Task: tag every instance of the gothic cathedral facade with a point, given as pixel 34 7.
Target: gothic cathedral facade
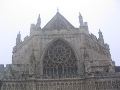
pixel 60 56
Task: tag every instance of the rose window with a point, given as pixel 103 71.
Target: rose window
pixel 59 53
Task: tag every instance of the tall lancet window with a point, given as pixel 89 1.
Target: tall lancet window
pixel 59 60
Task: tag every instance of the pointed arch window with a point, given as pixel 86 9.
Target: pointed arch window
pixel 59 60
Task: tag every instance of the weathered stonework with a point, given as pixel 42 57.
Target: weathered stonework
pixel 60 57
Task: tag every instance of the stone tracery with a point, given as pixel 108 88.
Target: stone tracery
pixel 59 60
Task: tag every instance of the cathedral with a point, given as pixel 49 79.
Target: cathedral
pixel 60 56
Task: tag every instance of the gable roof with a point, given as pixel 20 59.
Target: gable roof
pixel 58 22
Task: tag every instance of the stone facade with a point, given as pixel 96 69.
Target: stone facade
pixel 60 57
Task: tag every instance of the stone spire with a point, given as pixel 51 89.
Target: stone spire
pixel 80 19
pixel 100 39
pixel 38 24
pixel 18 39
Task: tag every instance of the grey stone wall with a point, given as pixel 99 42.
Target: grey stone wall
pixel 89 52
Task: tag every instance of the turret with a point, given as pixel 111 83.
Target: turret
pixel 83 25
pixel 18 39
pixel 35 27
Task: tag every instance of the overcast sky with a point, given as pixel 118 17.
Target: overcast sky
pixel 17 15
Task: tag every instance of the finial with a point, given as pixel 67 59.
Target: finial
pixel 39 19
pixel 57 9
pixel 38 22
pixel 99 30
pixel 39 16
pixel 100 33
pixel 80 19
pixel 79 14
pixel 101 39
pixel 18 39
pixel 19 33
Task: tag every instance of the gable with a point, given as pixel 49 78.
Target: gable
pixel 58 22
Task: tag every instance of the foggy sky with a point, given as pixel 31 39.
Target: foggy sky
pixel 17 15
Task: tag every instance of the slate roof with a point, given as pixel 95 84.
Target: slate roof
pixel 58 22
